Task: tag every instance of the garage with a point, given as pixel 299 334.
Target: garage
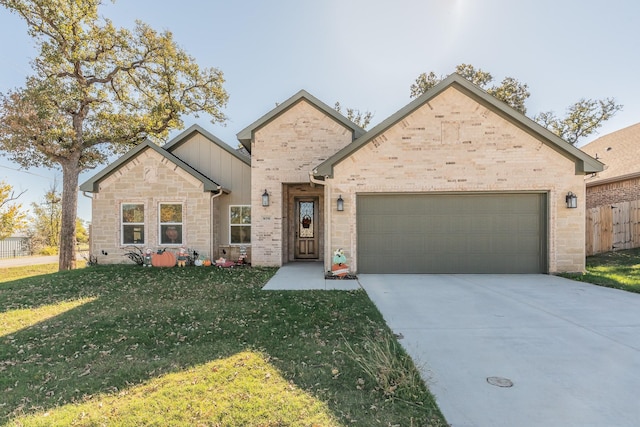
pixel 467 233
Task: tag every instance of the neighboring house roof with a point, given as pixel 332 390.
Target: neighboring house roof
pixel 184 136
pixel 246 135
pixel 17 236
pixel 619 151
pixel 584 163
pixel 91 185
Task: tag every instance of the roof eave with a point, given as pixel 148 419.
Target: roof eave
pixel 245 136
pixel 584 162
pixel 92 184
pixel 613 179
pixel 184 136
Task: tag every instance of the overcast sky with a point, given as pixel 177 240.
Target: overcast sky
pixel 367 53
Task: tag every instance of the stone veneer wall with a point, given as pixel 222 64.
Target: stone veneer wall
pixel 284 151
pixel 455 144
pixel 151 179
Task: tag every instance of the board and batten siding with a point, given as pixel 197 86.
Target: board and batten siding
pixel 224 168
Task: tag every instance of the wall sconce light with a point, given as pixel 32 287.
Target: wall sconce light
pixel 265 198
pixel 572 200
pixel 340 204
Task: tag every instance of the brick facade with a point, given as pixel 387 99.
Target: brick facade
pixel 625 190
pixel 149 179
pixel 454 144
pixel 284 152
pixel 196 170
pixel 451 144
pixel 454 141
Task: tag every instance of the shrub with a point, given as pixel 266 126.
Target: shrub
pixel 48 250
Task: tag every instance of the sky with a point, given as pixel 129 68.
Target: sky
pixel 367 53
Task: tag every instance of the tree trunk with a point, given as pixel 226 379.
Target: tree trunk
pixel 70 173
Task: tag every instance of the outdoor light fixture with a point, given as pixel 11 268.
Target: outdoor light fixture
pixel 572 200
pixel 265 198
pixel 340 204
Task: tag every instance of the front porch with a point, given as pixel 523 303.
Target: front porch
pixel 306 276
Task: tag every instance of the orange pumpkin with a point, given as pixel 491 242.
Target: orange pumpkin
pixel 340 270
pixel 206 262
pixel 163 259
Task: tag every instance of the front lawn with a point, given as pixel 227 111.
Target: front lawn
pixel 125 345
pixel 620 270
pixel 12 273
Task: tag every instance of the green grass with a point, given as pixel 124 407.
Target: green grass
pixel 12 273
pixel 620 270
pixel 124 345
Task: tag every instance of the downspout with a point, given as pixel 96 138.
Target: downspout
pixel 211 220
pixel 314 180
pixel 84 193
pixel 327 213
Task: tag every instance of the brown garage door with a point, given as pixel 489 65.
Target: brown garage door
pixel 445 233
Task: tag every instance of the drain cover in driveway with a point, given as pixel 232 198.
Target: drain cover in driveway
pixel 500 382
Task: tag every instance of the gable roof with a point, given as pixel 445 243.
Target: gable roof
pixel 619 151
pixel 584 163
pixel 91 185
pixel 246 135
pixel 184 136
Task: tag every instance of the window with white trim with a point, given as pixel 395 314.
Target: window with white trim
pixel 171 225
pixel 240 225
pixel 132 217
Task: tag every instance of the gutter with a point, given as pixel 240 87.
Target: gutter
pixel 613 179
pixel 315 180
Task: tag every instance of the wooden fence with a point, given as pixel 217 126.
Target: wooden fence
pixel 613 227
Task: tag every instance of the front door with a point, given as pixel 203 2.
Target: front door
pixel 306 228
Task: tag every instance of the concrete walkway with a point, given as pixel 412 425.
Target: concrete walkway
pixel 297 276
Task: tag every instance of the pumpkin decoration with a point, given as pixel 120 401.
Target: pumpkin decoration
pixel 206 262
pixel 163 259
pixel 340 270
pixel 339 267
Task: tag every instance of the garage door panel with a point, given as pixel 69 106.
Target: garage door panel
pixel 479 233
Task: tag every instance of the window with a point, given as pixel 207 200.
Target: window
pixel 132 224
pixel 171 232
pixel 240 225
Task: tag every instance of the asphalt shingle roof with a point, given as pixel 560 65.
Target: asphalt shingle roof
pixel 619 151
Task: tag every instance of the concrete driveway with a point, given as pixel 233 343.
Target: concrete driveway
pixel 571 350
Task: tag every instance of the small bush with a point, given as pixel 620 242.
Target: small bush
pixel 48 250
